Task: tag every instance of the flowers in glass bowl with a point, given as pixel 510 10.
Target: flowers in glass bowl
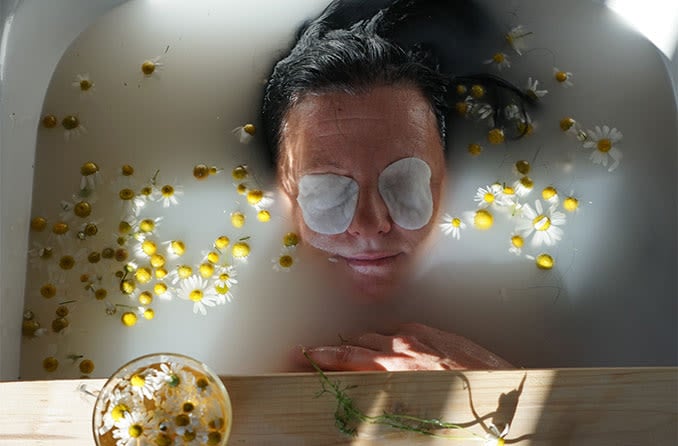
pixel 162 399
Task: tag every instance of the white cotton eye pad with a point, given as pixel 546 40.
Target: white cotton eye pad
pixel 405 186
pixel 327 202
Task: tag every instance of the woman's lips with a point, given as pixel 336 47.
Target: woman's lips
pixel 374 264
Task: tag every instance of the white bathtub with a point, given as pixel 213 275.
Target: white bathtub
pixel 636 315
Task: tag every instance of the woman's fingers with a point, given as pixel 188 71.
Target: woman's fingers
pixel 345 358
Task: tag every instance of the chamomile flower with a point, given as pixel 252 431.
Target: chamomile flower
pixel 564 78
pixel 542 224
pixel 603 141
pixel 121 403
pixel 142 384
pixel 452 225
pixel 148 226
pixel 171 378
pixel 180 274
pixel 72 127
pixel 90 175
pixel 533 91
pixel 489 196
pixel 169 194
pixel 163 291
pixel 499 60
pixel 135 428
pixel 517 38
pixel 543 261
pixel 482 219
pixel 550 195
pixel 572 127
pixel 516 243
pixel 259 199
pixel 83 83
pixel 285 261
pixel 128 206
pixel 571 203
pixel 175 248
pixel 525 125
pixel 523 186
pixel 151 67
pixel 245 133
pixel 226 277
pixel 146 248
pixel 196 290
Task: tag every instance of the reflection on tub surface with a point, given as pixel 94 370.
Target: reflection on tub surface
pixel 149 210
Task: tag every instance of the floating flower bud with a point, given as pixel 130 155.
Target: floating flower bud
pixel 50 364
pixel 523 167
pixel 48 291
pixel 477 91
pixel 290 239
pixel 82 209
pixel 38 224
pixel 201 171
pixel 240 172
pixel 128 319
pixel 483 220
pixel 145 298
pixel 474 149
pixel 222 242
pixel 495 136
pixel 240 250
pixel 571 204
pixel 245 133
pixel 238 219
pixel 86 366
pixel 49 121
pixel 264 216
pixel 544 261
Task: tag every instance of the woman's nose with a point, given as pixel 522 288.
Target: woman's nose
pixel 371 215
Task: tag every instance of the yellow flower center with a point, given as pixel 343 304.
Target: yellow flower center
pixel 527 182
pixel 91 229
pixel 49 121
pixel 124 227
pixel 149 314
pixel 143 275
pixel 149 247
pixel 213 257
pixel 50 364
pixel 145 298
pixel 127 287
pixel 147 225
pixel 70 122
pixel 488 197
pixel 135 431
pixel 477 91
pixel 157 260
pixel 462 108
pixel 222 242
pixel 46 253
pixel 85 85
pixel 549 192
pixel 213 438
pixel 237 219
pixel 508 190
pixel 182 420
pixel 121 254
pixel 290 239
pixel 39 224
pixel 264 216
pixel 206 270
pixel 89 168
pixel 461 89
pixel 137 380
pixel 60 228
pixel 100 294
pixel 159 289
pixel 126 194
pixel 571 204
pixel 201 171
pixel 286 261
pixel 66 262
pixel 254 196
pixel 240 250
pixel 146 191
pixel 160 273
pixel 517 241
pixel 541 223
pixel 48 291
pixel 127 170
pixel 474 149
pixel 523 167
pixel 148 67
pixel 495 136
pixel 239 173
pixel 178 247
pixel 129 319
pixel 566 124
pixel 195 295
pixel 561 76
pixel 167 191
pixel 249 129
pixel 119 411
pixel 184 271
pixel 483 220
pixel 241 188
pixel 86 366
pixel 221 289
pixel 544 261
pixel 456 222
pixel 604 145
pixel 498 58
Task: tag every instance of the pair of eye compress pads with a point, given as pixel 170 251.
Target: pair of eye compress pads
pixel 328 201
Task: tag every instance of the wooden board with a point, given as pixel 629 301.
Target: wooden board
pixel 625 406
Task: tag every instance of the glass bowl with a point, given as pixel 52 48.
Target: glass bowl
pixel 162 399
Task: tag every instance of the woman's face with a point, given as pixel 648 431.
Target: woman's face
pixel 356 137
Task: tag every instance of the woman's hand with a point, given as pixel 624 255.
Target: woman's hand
pixel 413 347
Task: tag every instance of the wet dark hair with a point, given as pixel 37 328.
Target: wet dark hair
pixel 331 56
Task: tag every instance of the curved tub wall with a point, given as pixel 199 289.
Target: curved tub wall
pixel 25 79
pixel 47 29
